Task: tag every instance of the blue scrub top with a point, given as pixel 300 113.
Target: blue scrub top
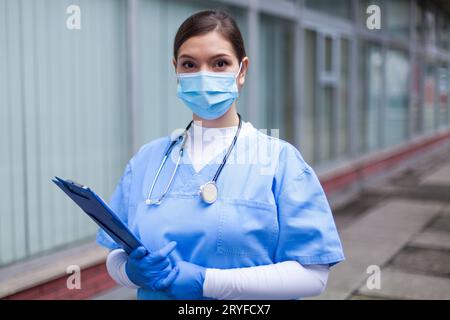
pixel 270 207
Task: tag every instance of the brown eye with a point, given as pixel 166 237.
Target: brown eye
pixel 221 64
pixel 188 65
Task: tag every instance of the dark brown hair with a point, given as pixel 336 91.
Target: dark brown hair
pixel 206 21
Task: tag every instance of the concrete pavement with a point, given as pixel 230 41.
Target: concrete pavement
pixel 402 227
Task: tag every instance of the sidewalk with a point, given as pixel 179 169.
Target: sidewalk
pixel 402 226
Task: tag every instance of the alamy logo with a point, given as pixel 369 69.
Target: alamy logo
pixel 374 280
pixel 73 22
pixel 74 280
pixel 373 21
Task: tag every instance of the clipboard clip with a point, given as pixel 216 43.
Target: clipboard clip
pixel 67 183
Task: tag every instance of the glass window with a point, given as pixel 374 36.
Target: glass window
pixel 398 17
pixel 328 54
pixel 430 87
pixel 426 24
pixel 442 30
pixel 370 97
pixel 433 25
pixel 420 21
pixel 343 114
pixel 325 116
pixel 397 89
pixel 337 8
pixel 417 95
pixel 326 125
pixel 276 77
pixel 443 95
pixel 309 97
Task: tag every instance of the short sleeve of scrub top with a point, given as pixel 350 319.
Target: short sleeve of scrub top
pixel 119 204
pixel 307 232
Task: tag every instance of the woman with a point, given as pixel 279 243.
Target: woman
pixel 233 213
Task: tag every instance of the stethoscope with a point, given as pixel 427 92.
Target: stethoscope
pixel 208 192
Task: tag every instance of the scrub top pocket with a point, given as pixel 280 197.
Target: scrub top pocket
pixel 246 228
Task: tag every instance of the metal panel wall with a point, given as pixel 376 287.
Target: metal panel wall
pixel 63 110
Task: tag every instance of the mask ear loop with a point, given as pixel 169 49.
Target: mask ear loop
pixel 239 71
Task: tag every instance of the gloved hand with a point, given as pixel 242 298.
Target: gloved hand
pixel 151 271
pixel 188 284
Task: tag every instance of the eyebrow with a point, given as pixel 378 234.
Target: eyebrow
pixel 220 55
pixel 186 56
pixel 213 57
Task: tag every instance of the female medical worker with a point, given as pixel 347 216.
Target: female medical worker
pixel 233 213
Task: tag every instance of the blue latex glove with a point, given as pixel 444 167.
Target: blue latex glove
pixel 188 284
pixel 151 271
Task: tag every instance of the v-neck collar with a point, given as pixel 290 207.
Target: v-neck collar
pixel 206 173
pixel 193 180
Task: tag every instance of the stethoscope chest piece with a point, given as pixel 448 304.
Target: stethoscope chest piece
pixel 208 192
pixel 150 202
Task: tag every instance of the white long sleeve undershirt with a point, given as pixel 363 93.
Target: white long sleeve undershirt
pixel 280 281
pixel 115 264
pixel 284 280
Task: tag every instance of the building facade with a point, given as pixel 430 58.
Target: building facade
pixel 77 103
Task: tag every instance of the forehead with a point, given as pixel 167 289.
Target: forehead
pixel 206 45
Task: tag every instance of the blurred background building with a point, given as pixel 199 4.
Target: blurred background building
pixel 358 103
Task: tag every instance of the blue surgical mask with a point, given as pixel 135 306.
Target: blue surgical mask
pixel 208 94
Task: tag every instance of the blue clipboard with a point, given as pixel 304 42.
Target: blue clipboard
pixel 100 212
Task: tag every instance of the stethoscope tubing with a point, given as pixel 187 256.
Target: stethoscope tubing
pixel 183 136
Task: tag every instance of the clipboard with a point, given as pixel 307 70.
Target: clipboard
pixel 94 206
